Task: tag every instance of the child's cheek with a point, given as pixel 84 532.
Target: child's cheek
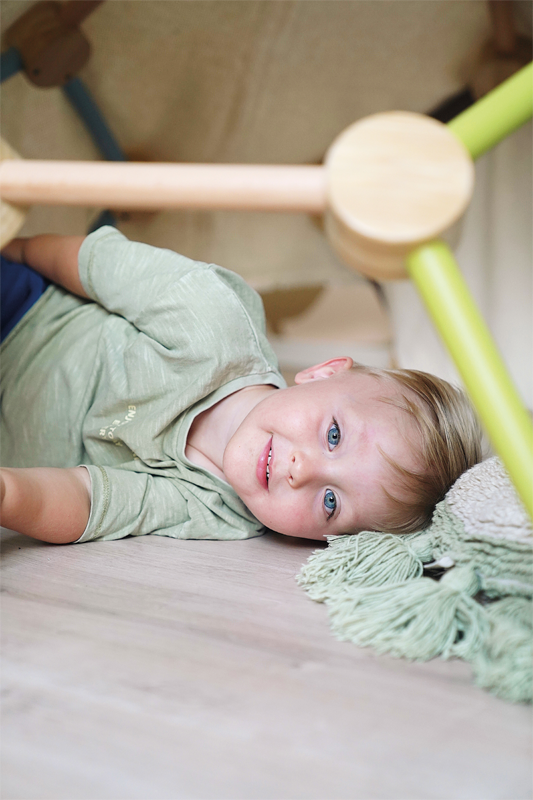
pixel 298 521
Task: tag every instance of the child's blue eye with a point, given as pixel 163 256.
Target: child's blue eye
pixel 330 502
pixel 334 435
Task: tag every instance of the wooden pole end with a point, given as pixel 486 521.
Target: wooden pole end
pixel 395 180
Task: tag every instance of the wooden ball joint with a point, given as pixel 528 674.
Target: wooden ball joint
pixel 394 181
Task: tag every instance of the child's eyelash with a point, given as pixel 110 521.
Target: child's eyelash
pixel 333 438
pixel 335 432
pixel 329 498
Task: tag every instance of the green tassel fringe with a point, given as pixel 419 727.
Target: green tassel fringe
pixel 505 664
pixel 480 610
pixel 370 559
pixel 417 620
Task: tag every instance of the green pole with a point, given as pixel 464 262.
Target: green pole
pixel 496 115
pixel 434 270
pixel 442 287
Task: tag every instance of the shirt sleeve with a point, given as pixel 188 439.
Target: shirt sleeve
pixel 185 306
pixel 127 503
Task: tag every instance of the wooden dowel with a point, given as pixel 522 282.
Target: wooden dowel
pixel 73 12
pixel 157 186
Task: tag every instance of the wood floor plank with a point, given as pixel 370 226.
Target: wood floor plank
pixel 165 670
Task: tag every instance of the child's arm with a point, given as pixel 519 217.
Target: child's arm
pixel 46 503
pixel 55 257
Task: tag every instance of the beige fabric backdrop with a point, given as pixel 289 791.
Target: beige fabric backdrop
pixel 255 81
pixel 267 81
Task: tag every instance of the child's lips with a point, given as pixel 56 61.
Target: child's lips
pixel 262 463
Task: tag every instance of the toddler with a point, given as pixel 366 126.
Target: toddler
pixel 140 395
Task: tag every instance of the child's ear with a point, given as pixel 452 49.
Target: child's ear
pixel 324 370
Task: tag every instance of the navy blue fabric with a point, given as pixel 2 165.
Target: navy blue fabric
pixel 10 63
pixel 20 288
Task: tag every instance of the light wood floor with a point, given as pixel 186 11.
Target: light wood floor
pixel 158 669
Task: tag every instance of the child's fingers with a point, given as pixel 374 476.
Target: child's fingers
pixel 14 251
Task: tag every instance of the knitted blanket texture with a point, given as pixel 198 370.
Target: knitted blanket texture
pixel 461 588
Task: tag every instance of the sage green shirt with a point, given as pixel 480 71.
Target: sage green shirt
pixel 115 385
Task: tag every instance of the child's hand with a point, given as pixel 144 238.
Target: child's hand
pixel 54 257
pixel 14 251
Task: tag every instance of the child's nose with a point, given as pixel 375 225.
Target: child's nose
pixel 301 469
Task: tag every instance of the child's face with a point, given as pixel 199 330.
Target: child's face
pixel 326 471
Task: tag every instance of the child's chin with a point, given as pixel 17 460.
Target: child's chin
pixel 315 537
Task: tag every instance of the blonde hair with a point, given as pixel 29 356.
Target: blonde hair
pixel 450 437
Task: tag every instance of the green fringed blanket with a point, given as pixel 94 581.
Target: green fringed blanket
pixel 461 588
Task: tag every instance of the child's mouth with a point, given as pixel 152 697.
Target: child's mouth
pixel 263 465
pixel 268 464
